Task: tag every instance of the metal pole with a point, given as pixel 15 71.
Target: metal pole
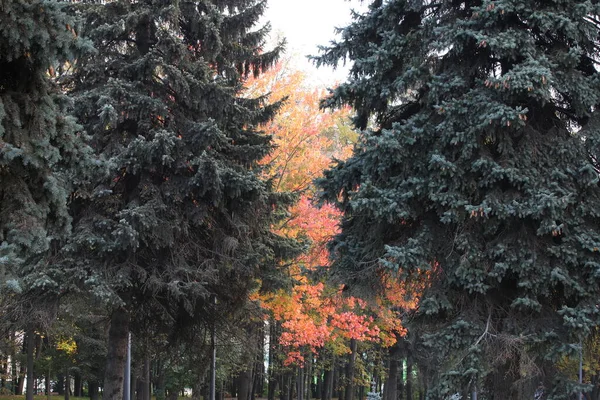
pixel 127 385
pixel 580 367
pixel 213 361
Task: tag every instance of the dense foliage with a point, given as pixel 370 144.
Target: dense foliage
pixel 40 147
pixel 476 175
pixel 156 183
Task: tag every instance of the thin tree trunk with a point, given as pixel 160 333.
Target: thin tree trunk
pixel 244 384
pixel 48 389
pixel 138 384
pixel 300 383
pixel 327 384
pixel 400 391
pixel 78 383
pixel 67 384
pixel 391 384
pixel 22 369
pixel 148 383
pixel 3 373
pixel 30 352
pixel 285 387
pixel 60 384
pixel 336 387
pixel 117 354
pixel 13 359
pixel 273 381
pixel 409 386
pixel 308 377
pixel 160 381
pixel 93 390
pixel 349 393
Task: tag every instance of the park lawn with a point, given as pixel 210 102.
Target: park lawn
pixel 41 397
pixel 56 397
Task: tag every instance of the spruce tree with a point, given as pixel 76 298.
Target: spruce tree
pixel 40 145
pixel 183 213
pixel 476 181
pixel 41 152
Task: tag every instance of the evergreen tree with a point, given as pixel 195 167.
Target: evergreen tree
pixel 476 181
pixel 40 153
pixel 182 214
pixel 40 146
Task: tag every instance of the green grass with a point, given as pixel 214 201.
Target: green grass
pixel 55 397
pixel 41 397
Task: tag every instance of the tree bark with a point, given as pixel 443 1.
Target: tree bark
pixel 30 351
pixel 391 384
pixel 285 387
pixel 300 383
pixel 245 384
pixel 117 354
pixel 78 383
pixel 67 384
pixel 173 394
pixel 60 384
pixel 400 387
pixel 93 390
pixel 143 381
pixel 273 381
pixel 48 388
pixel 4 373
pixel 409 385
pixel 160 381
pixel 327 385
pixel 349 392
pixel 22 370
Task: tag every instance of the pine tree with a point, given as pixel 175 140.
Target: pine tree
pixel 183 213
pixel 476 181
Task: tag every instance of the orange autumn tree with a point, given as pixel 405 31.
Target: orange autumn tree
pixel 312 314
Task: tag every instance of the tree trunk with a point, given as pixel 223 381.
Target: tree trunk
pixel 308 377
pixel 22 370
pixel 47 383
pixel 285 389
pixel 336 388
pixel 3 373
pixel 138 384
pixel 67 384
pixel 244 384
pixel 93 390
pixel 30 351
pixel 273 381
pixel 21 381
pixel 391 383
pixel 78 383
pixel 400 390
pixel 300 383
pixel 146 388
pixel 349 393
pixel 160 381
pixel 117 354
pixel 60 384
pixel 409 386
pixel 143 381
pixel 327 384
pixel 13 359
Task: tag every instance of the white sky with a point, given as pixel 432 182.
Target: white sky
pixel 307 24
